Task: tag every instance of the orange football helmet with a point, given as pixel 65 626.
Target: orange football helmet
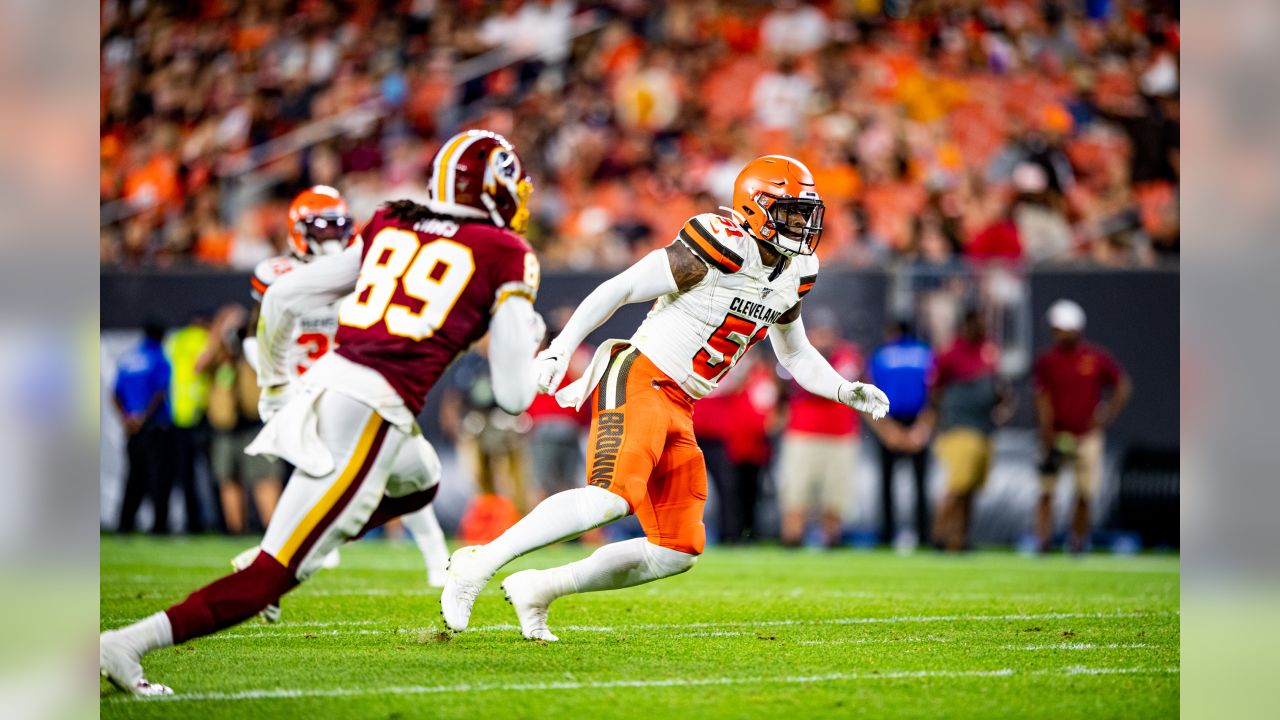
pixel 775 199
pixel 319 223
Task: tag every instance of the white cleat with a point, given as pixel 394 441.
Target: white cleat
pixel 332 560
pixel 436 577
pixel 463 583
pixel 524 594
pixel 270 613
pixel 121 666
pixel 437 567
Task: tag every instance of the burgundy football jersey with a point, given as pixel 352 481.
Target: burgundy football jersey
pixel 426 292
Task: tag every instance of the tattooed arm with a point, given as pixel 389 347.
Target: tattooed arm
pixel 686 269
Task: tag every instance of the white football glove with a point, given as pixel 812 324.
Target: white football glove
pixel 272 398
pixel 865 398
pixel 549 367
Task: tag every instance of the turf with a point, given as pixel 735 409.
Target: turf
pixel 748 633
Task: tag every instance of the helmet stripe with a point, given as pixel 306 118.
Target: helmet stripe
pixel 447 164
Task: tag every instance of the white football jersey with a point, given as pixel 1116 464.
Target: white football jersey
pixel 313 335
pixel 697 335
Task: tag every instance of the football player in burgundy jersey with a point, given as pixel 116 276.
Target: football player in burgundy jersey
pixel 422 283
pixel 320 224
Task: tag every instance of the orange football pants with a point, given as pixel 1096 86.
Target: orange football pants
pixel 643 449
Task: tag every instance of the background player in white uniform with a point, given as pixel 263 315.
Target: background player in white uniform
pixel 320 225
pixel 721 286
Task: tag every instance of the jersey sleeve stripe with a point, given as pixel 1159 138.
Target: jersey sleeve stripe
pixel 259 287
pixel 708 254
pixel 806 284
pixel 726 257
pixel 513 289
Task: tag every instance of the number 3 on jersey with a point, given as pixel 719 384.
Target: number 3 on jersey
pixel 434 272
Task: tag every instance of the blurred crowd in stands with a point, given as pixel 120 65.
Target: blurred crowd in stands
pixel 941 132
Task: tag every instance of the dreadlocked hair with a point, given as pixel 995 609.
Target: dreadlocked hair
pixel 410 212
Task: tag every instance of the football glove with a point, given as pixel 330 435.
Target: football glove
pixel 272 398
pixel 549 367
pixel 865 398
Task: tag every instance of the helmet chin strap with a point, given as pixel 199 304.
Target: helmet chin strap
pixel 493 210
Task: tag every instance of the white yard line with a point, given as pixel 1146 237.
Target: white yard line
pixel 839 621
pixel 703 629
pixel 1079 646
pixel 292 693
pixel 873 641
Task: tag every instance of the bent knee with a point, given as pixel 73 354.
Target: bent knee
pixel 669 561
pixel 598 505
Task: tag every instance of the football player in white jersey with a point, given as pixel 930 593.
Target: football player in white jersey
pixel 720 287
pixel 319 225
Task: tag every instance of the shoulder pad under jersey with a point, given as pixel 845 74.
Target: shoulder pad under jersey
pixel 807 268
pixel 716 240
pixel 267 272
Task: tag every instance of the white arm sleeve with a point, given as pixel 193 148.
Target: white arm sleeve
pixel 250 350
pixel 513 339
pixel 318 283
pixel 804 362
pixel 647 279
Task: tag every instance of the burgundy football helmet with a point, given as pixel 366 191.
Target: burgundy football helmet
pixel 479 169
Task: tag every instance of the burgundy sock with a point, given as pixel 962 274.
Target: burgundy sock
pixel 230 600
pixel 390 508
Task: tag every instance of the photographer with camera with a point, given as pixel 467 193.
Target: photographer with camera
pixel 1071 378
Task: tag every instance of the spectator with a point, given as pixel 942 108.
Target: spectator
pixel 752 405
pixel 901 368
pixel 781 98
pixel 189 399
pixel 794 29
pixel 819 452
pixel 1043 231
pixel 969 400
pixel 713 425
pixel 1071 378
pixel 142 398
pixel 233 417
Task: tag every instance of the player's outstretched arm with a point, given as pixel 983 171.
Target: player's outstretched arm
pixel 318 283
pixel 815 374
pixel 514 336
pixel 658 273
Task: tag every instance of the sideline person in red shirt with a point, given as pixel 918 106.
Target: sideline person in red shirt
pixel 970 400
pixel 1071 378
pixel 819 445
pixel 753 407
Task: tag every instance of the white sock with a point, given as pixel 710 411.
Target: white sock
pixel 562 516
pixel 616 565
pixel 427 534
pixel 150 633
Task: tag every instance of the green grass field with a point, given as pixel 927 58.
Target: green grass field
pixel 748 633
